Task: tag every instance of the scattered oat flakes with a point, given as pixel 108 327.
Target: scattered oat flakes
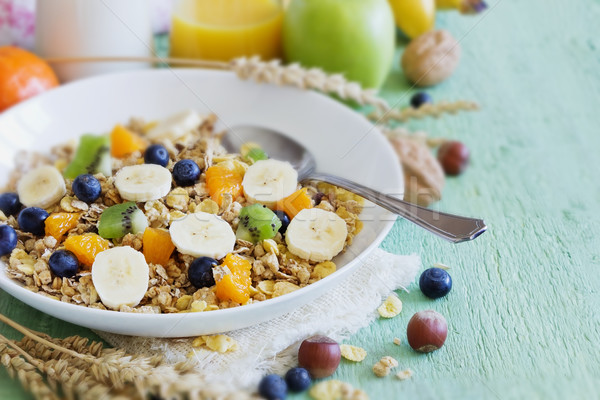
pixel 442 266
pixel 178 198
pixel 270 246
pixel 390 307
pixel 336 390
pixel 323 269
pixel 404 374
pixel 198 305
pixel 384 366
pixel 282 287
pixel 183 303
pixel 218 343
pixel 266 287
pixel 353 353
pixel 397 341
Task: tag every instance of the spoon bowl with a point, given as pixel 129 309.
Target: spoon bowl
pixel 453 228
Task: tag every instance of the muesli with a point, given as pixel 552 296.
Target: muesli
pixel 157 217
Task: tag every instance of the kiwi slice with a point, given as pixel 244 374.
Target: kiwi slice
pixel 256 154
pixel 92 156
pixel 257 223
pixel 118 220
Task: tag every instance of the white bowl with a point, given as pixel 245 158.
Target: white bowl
pixel 343 142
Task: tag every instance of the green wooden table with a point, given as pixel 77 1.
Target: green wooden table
pixel 523 315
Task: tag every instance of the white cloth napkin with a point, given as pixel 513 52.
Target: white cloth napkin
pixel 272 346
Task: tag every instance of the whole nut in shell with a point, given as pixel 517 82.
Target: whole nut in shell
pixel 431 58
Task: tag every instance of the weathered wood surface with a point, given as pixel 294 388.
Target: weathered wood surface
pixel 524 311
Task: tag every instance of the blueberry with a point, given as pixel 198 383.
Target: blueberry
pixel 435 283
pixel 156 154
pixel 419 99
pixel 186 172
pixel 63 263
pixel 272 387
pixel 200 272
pixel 32 220
pixel 285 220
pixel 8 239
pixel 86 188
pixel 298 379
pixel 9 203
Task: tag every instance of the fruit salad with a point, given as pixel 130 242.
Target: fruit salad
pixel 157 217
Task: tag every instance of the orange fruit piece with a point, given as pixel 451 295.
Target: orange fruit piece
pixel 157 246
pixel 22 75
pixel 86 247
pixel 57 224
pixel 294 203
pixel 221 180
pixel 235 286
pixel 124 142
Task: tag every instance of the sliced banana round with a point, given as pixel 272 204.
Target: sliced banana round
pixel 202 234
pixel 267 181
pixel 175 126
pixel 143 182
pixel 316 235
pixel 120 276
pixel 41 187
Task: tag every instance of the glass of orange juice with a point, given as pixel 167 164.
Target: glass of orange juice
pixel 226 29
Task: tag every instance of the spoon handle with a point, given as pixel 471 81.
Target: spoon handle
pixel 447 226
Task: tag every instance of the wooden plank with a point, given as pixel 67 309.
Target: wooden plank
pixel 523 313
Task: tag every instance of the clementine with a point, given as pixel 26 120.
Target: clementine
pixel 22 75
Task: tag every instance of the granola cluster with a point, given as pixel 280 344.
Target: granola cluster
pixel 275 270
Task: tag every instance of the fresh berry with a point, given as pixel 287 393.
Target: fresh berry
pixel 298 379
pixel 86 188
pixel 419 99
pixel 435 283
pixel 8 239
pixel 200 272
pixel 9 203
pixel 272 387
pixel 32 220
pixel 186 172
pixel 454 157
pixel 156 154
pixel 63 263
pixel 285 220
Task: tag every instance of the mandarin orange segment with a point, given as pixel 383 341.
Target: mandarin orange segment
pixel 295 202
pixel 57 224
pixel 22 75
pixel 124 142
pixel 86 247
pixel 157 246
pixel 236 285
pixel 221 180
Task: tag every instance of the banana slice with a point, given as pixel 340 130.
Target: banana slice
pixel 120 276
pixel 143 182
pixel 202 235
pixel 267 181
pixel 41 187
pixel 175 126
pixel 316 235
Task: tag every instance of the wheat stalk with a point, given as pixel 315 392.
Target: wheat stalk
pixel 273 72
pixel 78 369
pixel 426 110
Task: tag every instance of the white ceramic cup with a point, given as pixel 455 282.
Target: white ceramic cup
pixel 93 28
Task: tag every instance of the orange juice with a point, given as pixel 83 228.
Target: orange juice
pixel 225 29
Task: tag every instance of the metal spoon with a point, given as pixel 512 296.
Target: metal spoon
pixel 278 146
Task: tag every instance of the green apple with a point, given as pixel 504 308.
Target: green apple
pixel 353 37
